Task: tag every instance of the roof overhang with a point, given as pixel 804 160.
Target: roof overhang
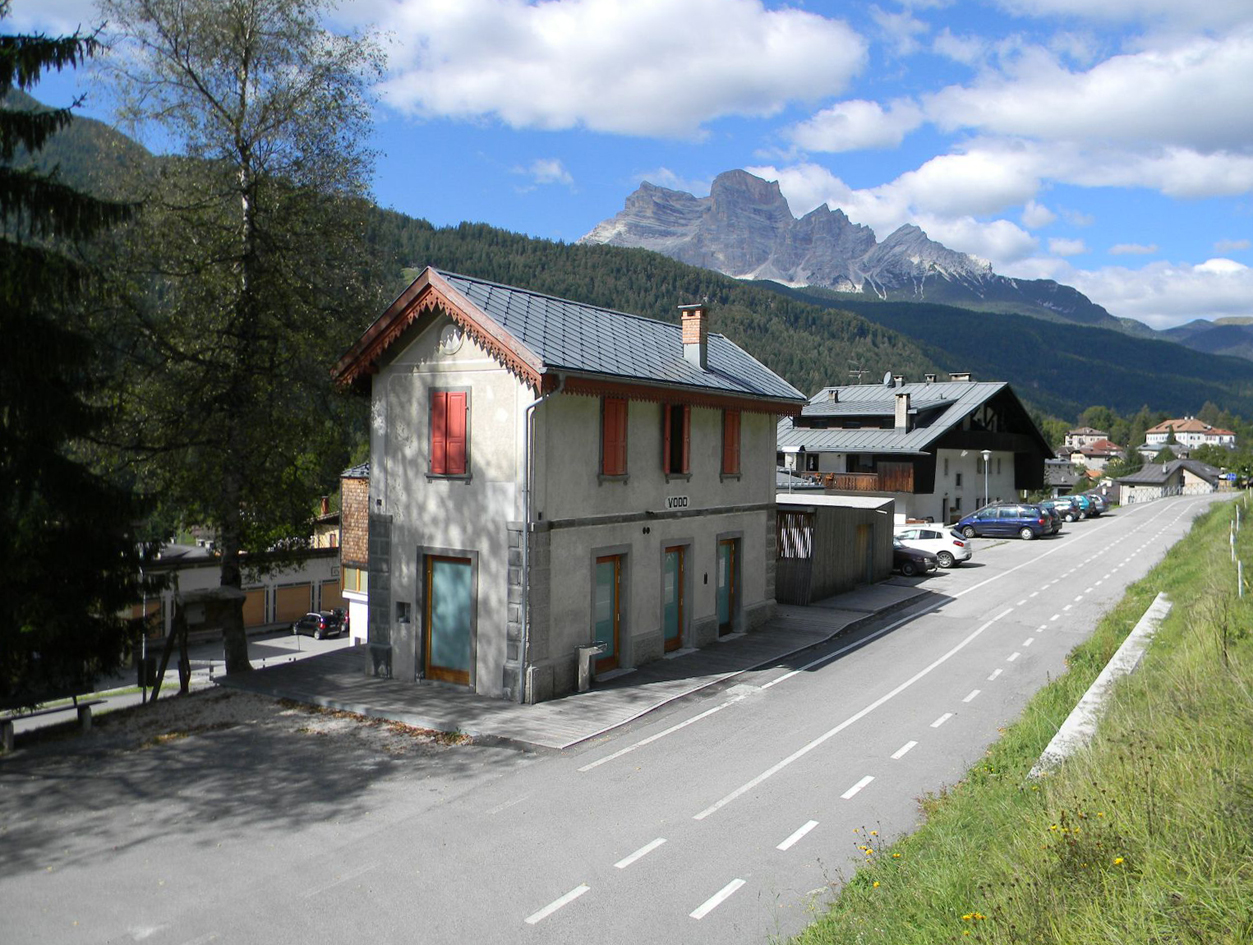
pixel 430 291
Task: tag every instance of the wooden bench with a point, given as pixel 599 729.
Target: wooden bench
pixel 84 718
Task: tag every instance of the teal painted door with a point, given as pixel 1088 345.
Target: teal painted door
pixel 449 608
pixel 672 598
pixel 726 585
pixel 607 610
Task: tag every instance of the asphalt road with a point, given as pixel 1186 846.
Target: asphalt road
pixel 726 818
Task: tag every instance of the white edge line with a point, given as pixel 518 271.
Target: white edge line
pixel 640 853
pixel 717 899
pixel 797 834
pixel 855 717
pixel 556 904
pixel 901 752
pixel 652 738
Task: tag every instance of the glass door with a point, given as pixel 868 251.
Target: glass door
pixel 726 585
pixel 607 610
pixel 449 604
pixel 672 598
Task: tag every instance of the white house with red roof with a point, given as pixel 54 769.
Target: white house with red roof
pixel 1190 432
pixel 548 476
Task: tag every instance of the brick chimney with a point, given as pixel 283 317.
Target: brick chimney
pixel 696 333
pixel 902 412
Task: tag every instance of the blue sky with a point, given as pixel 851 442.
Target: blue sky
pixel 1107 144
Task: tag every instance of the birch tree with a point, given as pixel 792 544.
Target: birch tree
pixel 246 268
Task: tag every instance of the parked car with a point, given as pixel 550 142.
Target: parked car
pixel 324 623
pixel 1007 519
pixel 948 546
pixel 911 561
pixel 1066 507
pixel 1102 503
pixel 1087 503
pixel 1055 519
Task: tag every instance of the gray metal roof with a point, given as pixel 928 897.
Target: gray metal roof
pixel 1154 474
pixel 356 472
pixel 573 336
pixel 954 399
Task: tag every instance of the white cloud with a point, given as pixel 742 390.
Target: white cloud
pixel 1212 13
pixel 1060 246
pixel 649 67
pixel 543 171
pixel 1230 246
pixel 1036 215
pixel 905 200
pixel 857 124
pixel 900 29
pixel 1132 249
pixel 60 17
pixel 1165 294
pixel 968 50
pixel 1077 217
pixel 1178 97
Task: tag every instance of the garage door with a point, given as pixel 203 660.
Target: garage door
pixel 254 607
pixel 332 596
pixel 293 602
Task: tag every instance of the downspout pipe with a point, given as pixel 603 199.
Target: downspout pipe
pixel 528 476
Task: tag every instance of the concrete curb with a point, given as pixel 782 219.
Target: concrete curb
pixel 494 738
pixel 1080 725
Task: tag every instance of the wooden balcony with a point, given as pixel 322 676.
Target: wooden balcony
pixel 891 477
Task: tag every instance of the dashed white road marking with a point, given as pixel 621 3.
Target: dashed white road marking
pixel 849 794
pixel 1086 590
pixel 1067 607
pixel 1034 594
pixel 1012 657
pixel 942 719
pixel 1020 603
pixel 1028 641
pixel 652 738
pixel 640 853
pixel 995 673
pixel 797 834
pixel 556 904
pixel 903 750
pixel 1054 617
pixel 855 717
pixel 717 899
pixel 971 697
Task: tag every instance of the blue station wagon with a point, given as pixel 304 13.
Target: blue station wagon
pixel 1007 520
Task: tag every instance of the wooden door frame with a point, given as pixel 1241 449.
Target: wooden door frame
pixel 423 654
pixel 682 548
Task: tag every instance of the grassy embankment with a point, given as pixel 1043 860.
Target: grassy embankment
pixel 1144 837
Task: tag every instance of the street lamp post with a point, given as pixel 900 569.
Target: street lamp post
pixel 987 457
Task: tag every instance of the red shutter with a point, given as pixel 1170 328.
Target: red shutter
pixel 665 437
pixel 730 441
pixel 613 443
pixel 687 439
pixel 439 433
pixel 457 433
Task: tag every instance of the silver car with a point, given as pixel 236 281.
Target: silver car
pixel 946 544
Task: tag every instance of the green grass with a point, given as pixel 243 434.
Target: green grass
pixel 1146 836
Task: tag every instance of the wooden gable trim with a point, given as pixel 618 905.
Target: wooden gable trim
pixel 427 293
pixel 598 387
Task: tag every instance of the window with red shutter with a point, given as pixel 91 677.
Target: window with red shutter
pixel 676 433
pixel 450 433
pixel 730 442
pixel 613 428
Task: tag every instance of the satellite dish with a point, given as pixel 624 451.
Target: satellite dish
pixel 887 378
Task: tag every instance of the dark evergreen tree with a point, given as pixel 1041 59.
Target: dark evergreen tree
pixel 69 558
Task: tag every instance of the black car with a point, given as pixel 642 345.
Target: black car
pixel 324 623
pixel 911 561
